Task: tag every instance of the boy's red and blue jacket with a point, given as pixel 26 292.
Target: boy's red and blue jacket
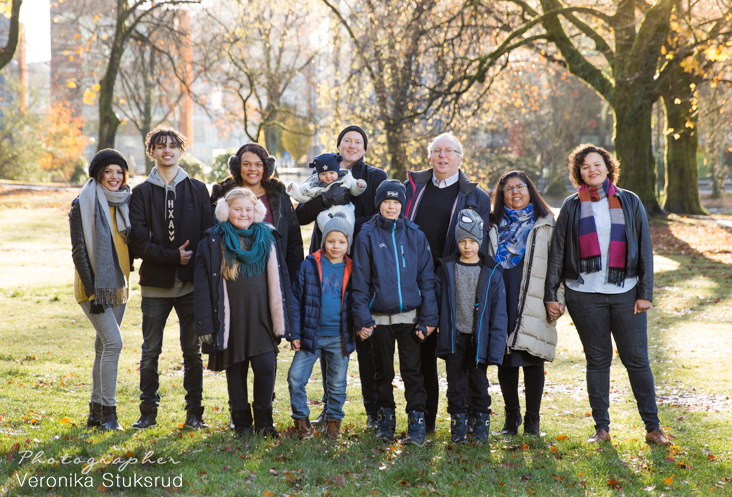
pixel 489 332
pixel 306 292
pixel 393 272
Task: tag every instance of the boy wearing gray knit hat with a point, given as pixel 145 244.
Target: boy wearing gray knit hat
pixel 338 222
pixel 470 225
pixel 472 327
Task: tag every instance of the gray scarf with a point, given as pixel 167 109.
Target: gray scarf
pixel 110 285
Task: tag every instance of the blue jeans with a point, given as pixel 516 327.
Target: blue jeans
pixel 366 372
pixel 597 316
pixel 155 312
pixel 331 348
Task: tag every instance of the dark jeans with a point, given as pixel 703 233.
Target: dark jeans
pixel 428 354
pixel 384 339
pixel 597 316
pixel 155 312
pixel 508 378
pixel 465 377
pixel 366 373
pixel 264 367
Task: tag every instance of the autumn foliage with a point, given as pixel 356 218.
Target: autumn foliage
pixel 62 141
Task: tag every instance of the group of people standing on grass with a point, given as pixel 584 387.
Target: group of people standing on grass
pixel 428 266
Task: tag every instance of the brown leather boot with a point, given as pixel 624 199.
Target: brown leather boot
pixel 332 428
pixel 304 428
pixel 657 437
pixel 599 437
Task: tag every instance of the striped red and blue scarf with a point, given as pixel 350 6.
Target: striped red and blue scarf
pixel 589 244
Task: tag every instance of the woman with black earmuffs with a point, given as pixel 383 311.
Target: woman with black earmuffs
pixel 253 168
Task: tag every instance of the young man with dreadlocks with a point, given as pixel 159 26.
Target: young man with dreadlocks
pixel 169 212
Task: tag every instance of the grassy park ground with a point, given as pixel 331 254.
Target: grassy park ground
pixel 45 381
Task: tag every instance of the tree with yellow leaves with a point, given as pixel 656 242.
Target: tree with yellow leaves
pixel 62 141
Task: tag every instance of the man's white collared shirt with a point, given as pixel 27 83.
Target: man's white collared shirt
pixel 444 183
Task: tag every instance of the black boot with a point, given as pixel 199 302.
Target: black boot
pixel 531 424
pixel 194 418
pixel 458 428
pixel 372 422
pixel 95 415
pixel 387 424
pixel 416 431
pixel 109 418
pixel 320 420
pixel 263 421
pixel 482 426
pixel 470 423
pixel 148 417
pixel 242 420
pixel 513 421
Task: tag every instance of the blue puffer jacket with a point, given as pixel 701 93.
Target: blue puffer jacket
pixel 470 196
pixel 209 304
pixel 393 272
pixel 306 292
pixel 489 334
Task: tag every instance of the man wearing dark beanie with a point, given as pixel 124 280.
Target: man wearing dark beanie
pixel 352 144
pixel 444 190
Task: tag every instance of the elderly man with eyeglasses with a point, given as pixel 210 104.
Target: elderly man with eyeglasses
pixel 435 196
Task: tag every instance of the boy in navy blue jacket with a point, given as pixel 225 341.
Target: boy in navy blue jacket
pixel 323 326
pixel 472 325
pixel 394 299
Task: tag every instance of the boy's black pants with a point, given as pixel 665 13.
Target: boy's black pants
pixel 465 376
pixel 384 339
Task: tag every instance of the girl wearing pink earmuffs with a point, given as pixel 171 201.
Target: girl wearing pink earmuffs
pixel 243 305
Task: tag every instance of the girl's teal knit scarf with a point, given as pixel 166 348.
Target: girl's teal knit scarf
pixel 258 237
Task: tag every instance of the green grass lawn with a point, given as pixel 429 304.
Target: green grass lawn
pixel 45 382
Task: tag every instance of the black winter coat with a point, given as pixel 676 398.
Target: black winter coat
pixel 564 260
pixel 306 293
pixel 78 249
pixel 283 217
pixel 363 204
pixel 491 319
pixel 208 291
pixel 149 238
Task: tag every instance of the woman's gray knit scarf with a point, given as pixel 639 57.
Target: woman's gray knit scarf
pixel 110 285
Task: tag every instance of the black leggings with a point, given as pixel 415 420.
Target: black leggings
pixel 264 367
pixel 508 378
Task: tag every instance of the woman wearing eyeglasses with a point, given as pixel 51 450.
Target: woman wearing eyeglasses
pixel 601 254
pixel 521 227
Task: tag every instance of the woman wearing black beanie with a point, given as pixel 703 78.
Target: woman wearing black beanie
pixel 100 223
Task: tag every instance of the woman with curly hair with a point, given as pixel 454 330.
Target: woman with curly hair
pixel 601 252
pixel 253 168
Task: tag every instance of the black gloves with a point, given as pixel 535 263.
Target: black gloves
pixel 337 195
pixel 96 308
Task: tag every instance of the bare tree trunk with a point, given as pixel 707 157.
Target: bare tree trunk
pixel 633 145
pixel 8 52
